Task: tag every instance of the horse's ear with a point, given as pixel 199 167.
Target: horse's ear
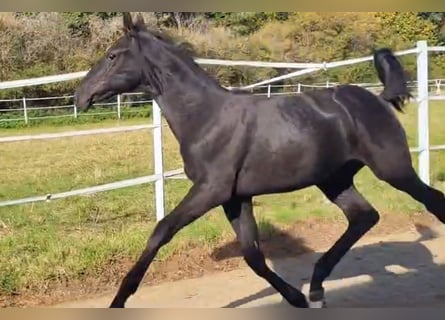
pixel 128 22
pixel 140 23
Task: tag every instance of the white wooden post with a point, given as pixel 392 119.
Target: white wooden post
pixel 268 90
pixel 158 161
pixel 25 110
pixel 438 83
pixel 423 111
pixel 299 88
pixel 118 106
pixel 75 111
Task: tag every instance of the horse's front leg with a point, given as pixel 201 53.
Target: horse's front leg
pixel 199 200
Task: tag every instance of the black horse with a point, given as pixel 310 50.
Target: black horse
pixel 236 146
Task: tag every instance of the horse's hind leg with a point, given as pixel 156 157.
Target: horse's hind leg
pixel 405 178
pixel 240 214
pixel 395 167
pixel 339 188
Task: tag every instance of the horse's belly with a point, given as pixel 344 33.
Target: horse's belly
pixel 273 179
pixel 289 171
pixel 255 185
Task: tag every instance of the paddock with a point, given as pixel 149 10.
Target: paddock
pixel 422 98
pixel 161 175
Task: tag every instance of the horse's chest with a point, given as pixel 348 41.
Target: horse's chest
pixel 194 163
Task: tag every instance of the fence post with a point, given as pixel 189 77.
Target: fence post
pixel 299 88
pixel 423 111
pixel 158 161
pixel 75 111
pixel 268 90
pixel 118 106
pixel 25 110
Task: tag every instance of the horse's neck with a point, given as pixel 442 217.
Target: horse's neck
pixel 188 107
pixel 189 98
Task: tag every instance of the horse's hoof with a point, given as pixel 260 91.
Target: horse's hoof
pixel 116 304
pixel 316 299
pixel 317 304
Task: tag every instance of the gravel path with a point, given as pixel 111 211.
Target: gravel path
pixel 396 271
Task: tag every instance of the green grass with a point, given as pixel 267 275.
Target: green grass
pixel 80 237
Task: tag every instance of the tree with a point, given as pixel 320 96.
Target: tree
pixel 246 23
pixel 77 22
pixel 404 29
pixel 438 18
pixel 176 20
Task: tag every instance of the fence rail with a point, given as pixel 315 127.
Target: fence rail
pixel 77 133
pixel 95 189
pixel 422 97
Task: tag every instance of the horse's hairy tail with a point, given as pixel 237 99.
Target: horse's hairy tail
pixel 392 75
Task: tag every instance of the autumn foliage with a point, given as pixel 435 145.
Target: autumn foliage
pixel 47 43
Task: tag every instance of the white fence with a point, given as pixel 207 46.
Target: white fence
pixel 423 97
pixel 13 110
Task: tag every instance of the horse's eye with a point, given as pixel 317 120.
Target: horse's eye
pixel 111 56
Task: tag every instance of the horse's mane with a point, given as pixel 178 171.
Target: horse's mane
pixel 183 47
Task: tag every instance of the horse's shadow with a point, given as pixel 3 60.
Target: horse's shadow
pixel 388 273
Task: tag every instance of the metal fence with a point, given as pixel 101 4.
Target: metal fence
pixel 426 90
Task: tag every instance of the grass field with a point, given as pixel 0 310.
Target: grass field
pixel 78 238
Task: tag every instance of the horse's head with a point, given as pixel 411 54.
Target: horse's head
pixel 118 71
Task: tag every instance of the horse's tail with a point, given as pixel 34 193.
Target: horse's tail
pixel 392 75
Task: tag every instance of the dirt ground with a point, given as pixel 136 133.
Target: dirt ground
pixel 397 258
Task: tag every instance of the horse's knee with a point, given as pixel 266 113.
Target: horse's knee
pixel 368 217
